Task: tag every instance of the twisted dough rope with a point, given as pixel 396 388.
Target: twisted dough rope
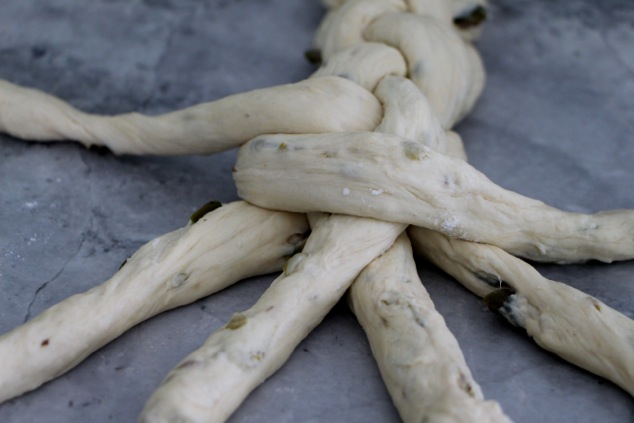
pixel 335 103
pixel 574 325
pixel 390 178
pixel 173 270
pixel 420 361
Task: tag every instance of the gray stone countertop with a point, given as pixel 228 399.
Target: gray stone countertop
pixel 555 123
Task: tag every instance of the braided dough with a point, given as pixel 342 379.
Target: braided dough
pixel 442 65
pixel 364 170
pixel 185 393
pixel 342 27
pixel 366 64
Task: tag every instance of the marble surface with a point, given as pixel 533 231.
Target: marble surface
pixel 555 123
